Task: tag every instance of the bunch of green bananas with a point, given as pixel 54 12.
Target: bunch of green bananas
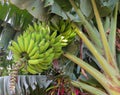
pixel 38 47
pixel 66 29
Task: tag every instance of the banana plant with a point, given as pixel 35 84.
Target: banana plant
pixel 109 78
pixel 100 40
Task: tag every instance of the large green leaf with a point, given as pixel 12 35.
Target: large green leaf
pixel 24 85
pixel 34 7
pixel 86 8
pixel 6 35
pixel 56 9
pixel 65 5
pixel 19 19
pixel 105 7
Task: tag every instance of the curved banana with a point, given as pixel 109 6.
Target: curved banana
pixel 14 50
pixel 54 34
pixel 31 69
pixel 35 56
pixel 33 51
pixel 35 61
pixel 31 46
pixel 26 42
pixel 46 46
pixel 20 42
pixel 16 46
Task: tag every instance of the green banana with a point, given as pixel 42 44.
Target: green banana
pixel 59 38
pixel 42 42
pixel 16 46
pixel 47 37
pixel 33 51
pixel 31 69
pixel 26 42
pixel 56 44
pixel 46 46
pixel 21 42
pixel 58 49
pixel 30 29
pixel 44 32
pixel 14 50
pixel 57 55
pixel 25 34
pixel 52 41
pixel 67 33
pixel 49 58
pixel 31 46
pixel 33 35
pixel 54 34
pixel 41 49
pixel 38 68
pixel 62 29
pixel 35 26
pixel 35 61
pixel 43 67
pixel 35 56
pixel 48 52
pixel 38 37
pixel 72 35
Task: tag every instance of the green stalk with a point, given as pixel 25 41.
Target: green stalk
pixel 106 24
pixel 95 73
pixel 110 58
pixel 88 88
pixel 112 36
pixel 93 34
pixel 108 69
pixel 111 87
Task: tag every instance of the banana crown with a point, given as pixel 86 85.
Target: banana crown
pixel 66 29
pixel 38 46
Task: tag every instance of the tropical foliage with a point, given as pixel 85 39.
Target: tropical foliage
pixel 49 47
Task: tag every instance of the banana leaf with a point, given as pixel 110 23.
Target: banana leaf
pixel 18 19
pixel 25 84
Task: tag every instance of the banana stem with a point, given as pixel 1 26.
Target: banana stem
pixel 112 36
pixel 93 35
pixel 108 69
pixel 91 89
pixel 14 74
pixel 111 87
pixel 95 73
pixel 110 58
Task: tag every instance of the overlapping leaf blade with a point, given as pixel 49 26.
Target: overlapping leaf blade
pixel 25 83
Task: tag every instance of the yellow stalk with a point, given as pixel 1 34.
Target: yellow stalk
pixel 105 66
pixel 93 35
pixel 112 35
pixel 109 85
pixel 91 89
pixel 110 58
pixel 95 73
